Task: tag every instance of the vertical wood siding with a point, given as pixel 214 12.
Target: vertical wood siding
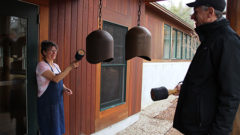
pixel 155 21
pixel 233 11
pixel 70 23
pixel 122 12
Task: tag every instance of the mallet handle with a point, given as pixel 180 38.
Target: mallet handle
pixel 170 92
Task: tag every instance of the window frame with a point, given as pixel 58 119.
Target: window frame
pixel 123 80
pixel 170 41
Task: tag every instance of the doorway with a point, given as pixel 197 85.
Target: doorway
pixel 18 59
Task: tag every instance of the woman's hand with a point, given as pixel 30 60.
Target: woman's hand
pixel 67 91
pixel 75 64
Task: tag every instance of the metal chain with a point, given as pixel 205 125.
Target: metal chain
pixel 139 12
pixel 100 15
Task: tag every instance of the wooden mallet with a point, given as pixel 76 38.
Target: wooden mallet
pixel 79 54
pixel 160 93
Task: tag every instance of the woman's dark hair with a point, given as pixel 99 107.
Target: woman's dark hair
pixel 45 45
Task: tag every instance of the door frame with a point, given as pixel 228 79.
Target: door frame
pixel 31 13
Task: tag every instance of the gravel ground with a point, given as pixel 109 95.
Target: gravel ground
pixel 156 119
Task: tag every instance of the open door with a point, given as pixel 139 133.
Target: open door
pixel 18 60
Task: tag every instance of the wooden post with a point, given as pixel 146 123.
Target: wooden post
pixel 233 11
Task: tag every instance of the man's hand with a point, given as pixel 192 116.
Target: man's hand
pixel 178 88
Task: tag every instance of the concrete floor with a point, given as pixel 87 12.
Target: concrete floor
pixel 156 119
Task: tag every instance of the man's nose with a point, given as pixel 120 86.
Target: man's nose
pixel 193 17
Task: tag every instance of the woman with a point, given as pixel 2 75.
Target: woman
pixel 50 91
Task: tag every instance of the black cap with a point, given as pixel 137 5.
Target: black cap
pixel 216 4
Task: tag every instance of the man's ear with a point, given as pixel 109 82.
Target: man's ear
pixel 211 12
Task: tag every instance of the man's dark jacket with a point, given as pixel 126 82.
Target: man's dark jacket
pixel 210 93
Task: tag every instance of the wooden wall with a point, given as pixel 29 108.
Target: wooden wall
pixel 67 23
pixel 155 20
pixel 70 23
pixel 233 11
pixel 122 12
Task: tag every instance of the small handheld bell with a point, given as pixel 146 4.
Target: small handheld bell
pixel 79 54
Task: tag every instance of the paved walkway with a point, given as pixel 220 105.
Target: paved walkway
pixel 156 119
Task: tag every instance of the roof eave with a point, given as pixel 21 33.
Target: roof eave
pixel 170 14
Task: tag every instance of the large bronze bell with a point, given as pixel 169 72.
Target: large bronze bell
pixel 138 43
pixel 99 47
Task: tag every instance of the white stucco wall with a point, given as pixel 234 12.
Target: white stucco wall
pixel 159 74
pixel 119 126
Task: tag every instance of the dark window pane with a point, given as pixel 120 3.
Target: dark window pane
pixel 184 46
pixel 174 43
pixel 13 31
pixel 179 44
pixel 190 46
pixel 167 42
pixel 118 32
pixel 112 88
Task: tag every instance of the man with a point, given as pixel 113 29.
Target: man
pixel 210 92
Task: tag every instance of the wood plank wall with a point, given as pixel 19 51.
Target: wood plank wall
pixel 154 21
pixel 70 23
pixel 122 12
pixel 233 11
pixel 67 23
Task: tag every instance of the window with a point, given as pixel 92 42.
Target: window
pixel 184 46
pixel 178 45
pixel 174 43
pixel 189 47
pixel 167 42
pixel 194 47
pixel 113 74
pixel 1 57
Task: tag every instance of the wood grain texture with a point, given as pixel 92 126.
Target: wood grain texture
pixel 233 11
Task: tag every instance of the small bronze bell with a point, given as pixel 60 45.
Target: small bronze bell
pixel 99 47
pixel 138 43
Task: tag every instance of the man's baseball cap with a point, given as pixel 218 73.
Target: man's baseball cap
pixel 216 4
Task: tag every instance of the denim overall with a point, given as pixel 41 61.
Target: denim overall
pixel 50 109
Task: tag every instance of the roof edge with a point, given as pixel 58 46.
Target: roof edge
pixel 170 14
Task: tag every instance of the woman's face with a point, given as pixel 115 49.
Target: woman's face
pixel 51 53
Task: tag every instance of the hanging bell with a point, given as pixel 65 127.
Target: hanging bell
pixel 99 47
pixel 138 43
